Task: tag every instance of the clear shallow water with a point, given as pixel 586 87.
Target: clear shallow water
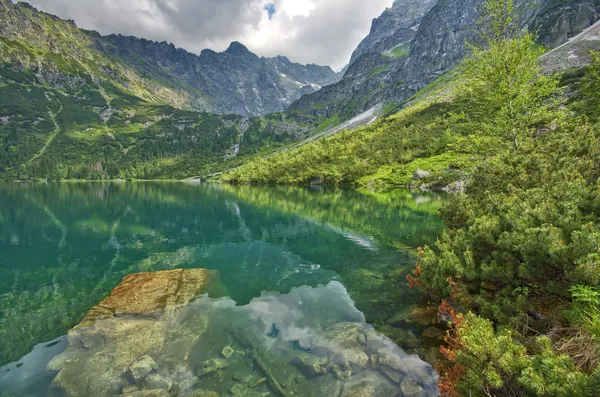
pixel 63 247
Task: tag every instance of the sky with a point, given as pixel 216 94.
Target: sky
pixel 324 32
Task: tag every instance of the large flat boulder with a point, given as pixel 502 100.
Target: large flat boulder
pixel 144 293
pixel 122 342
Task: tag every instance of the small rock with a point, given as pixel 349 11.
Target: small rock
pixel 310 365
pixel 362 339
pixel 149 393
pixel 261 381
pixel 130 389
pixel 142 368
pixel 374 361
pixel 227 351
pixel 210 366
pixel 410 388
pixel 199 393
pixel 392 375
pixel 242 377
pixel 420 175
pixel 156 381
pixel 238 389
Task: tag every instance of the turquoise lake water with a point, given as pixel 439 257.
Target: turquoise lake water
pixel 64 247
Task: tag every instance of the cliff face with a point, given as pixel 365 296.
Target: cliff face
pixel 413 43
pixel 395 28
pixel 440 43
pixel 366 81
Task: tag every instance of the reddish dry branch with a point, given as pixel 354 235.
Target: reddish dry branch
pixel 451 371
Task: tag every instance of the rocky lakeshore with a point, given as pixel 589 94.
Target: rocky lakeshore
pixel 160 334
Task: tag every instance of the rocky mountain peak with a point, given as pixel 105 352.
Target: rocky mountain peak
pixel 237 48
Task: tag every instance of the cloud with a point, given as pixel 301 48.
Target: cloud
pixel 307 31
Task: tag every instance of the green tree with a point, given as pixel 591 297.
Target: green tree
pixel 510 97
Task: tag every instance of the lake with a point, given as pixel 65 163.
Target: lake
pixel 64 247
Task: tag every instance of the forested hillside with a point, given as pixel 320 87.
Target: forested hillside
pixel 516 273
pixel 69 110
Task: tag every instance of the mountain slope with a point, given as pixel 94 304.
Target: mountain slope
pixel 364 83
pixel 413 43
pixel 235 81
pixel 68 109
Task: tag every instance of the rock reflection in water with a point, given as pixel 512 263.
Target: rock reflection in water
pixel 310 342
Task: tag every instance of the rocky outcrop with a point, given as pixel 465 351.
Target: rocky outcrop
pixel 574 54
pixel 395 28
pixel 116 346
pixel 413 43
pixel 365 82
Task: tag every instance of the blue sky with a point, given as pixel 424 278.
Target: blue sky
pixel 270 8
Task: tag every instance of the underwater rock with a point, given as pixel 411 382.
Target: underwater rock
pixel 144 293
pixel 310 365
pixel 342 343
pixel 258 382
pixel 243 377
pixel 199 393
pixel 147 393
pixel 156 381
pixel 369 383
pixel 410 388
pixel 433 336
pixel 142 367
pixel 227 351
pixel 130 389
pixel 210 366
pixel 392 375
pixel 141 317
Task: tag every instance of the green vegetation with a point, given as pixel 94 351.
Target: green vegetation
pixel 70 111
pixel 520 253
pixel 518 266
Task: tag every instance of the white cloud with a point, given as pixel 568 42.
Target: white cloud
pixel 307 31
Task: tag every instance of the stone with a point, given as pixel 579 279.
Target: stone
pixel 369 383
pixel 419 175
pixel 210 366
pixel 238 389
pixel 340 342
pixel 391 374
pixel 227 351
pixel 310 365
pixel 144 293
pixel 410 388
pixel 199 393
pixel 141 317
pixel 433 336
pixel 130 389
pixel 148 393
pixel 260 381
pixel 243 377
pixel 374 361
pixel 156 381
pixel 142 367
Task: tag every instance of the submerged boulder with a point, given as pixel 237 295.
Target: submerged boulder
pixel 113 347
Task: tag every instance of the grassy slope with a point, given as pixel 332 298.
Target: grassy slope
pixel 387 152
pixel 69 112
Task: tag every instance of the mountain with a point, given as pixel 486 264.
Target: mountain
pixel 72 108
pixel 385 49
pixel 235 81
pixel 414 42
